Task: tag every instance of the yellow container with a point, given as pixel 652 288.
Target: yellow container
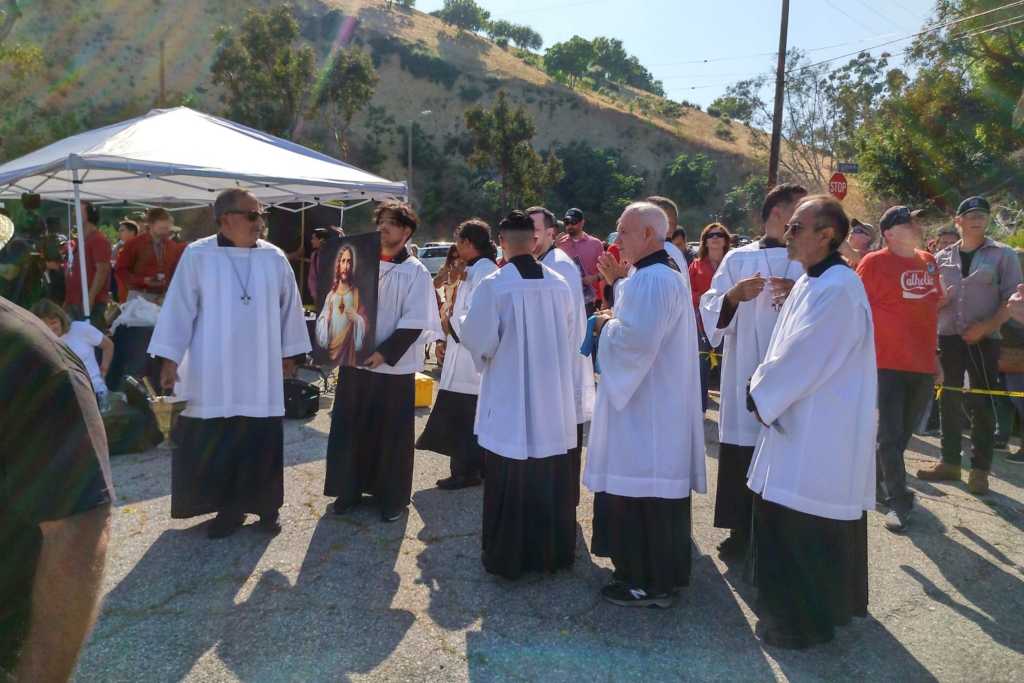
pixel 424 390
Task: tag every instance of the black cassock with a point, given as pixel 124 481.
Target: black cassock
pixel 810 571
pixel 227 464
pixel 734 501
pixel 449 431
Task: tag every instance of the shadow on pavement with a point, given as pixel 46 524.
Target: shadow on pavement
pixel 175 605
pixel 337 619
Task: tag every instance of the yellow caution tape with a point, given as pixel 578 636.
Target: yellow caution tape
pixel 1012 394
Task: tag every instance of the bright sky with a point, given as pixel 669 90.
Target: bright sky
pixel 665 33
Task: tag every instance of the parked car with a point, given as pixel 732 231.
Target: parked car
pixel 433 255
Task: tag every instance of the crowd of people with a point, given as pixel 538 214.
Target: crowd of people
pixel 828 351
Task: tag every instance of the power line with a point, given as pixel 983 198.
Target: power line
pixel 872 9
pixel 772 54
pixel 850 17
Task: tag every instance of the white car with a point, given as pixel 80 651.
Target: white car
pixel 434 255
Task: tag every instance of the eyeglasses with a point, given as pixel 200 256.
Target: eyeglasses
pixel 860 231
pixel 251 216
pixel 713 235
pixel 572 222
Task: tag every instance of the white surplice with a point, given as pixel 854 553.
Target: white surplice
pixel 819 381
pixel 521 336
pixel 406 300
pixel 647 434
pixel 746 336
pixel 582 366
pixel 229 352
pixel 459 373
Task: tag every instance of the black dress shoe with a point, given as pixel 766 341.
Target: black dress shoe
pixel 734 547
pixel 788 636
pixel 392 514
pixel 224 524
pixel 340 507
pixel 455 482
pixel 271 522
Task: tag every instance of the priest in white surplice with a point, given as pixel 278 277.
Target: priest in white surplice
pixel 229 332
pixel 449 429
pixel 814 469
pixel 741 309
pixel 519 329
pixel 646 449
pixel 582 367
pixel 371 445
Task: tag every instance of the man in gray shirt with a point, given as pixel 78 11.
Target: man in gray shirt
pixel 980 276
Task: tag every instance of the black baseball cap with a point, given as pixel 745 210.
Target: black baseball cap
pixel 897 215
pixel 574 215
pixel 973 204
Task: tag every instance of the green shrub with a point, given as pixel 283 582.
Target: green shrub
pixel 470 93
pixel 723 131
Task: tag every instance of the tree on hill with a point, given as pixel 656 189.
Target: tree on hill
pixel 501 139
pixel 346 88
pixel 614 64
pixel 266 73
pixel 690 178
pixel 571 59
pixel 598 181
pixel 464 15
pixel 524 37
pixel 403 3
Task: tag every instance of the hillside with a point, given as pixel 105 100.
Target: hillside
pixel 102 65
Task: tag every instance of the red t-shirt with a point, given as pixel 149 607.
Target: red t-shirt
pixel 904 295
pixel 97 250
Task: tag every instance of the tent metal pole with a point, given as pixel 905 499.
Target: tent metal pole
pixel 81 244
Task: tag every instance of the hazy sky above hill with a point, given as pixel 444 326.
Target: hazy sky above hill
pixel 664 33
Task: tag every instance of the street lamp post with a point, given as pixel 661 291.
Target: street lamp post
pixel 408 177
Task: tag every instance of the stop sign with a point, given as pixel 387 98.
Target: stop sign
pixel 837 186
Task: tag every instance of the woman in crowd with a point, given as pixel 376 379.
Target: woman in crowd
pixel 449 429
pixel 714 245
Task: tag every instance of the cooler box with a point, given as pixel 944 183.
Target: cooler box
pixel 424 390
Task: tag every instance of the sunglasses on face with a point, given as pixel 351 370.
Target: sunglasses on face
pixel 572 222
pixel 713 235
pixel 251 216
pixel 860 231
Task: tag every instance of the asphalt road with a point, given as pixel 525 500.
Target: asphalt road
pixel 352 598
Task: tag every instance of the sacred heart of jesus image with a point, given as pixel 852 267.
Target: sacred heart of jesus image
pixel 347 300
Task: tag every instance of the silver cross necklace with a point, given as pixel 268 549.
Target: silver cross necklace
pixel 248 273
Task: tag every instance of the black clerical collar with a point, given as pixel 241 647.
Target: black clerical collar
pixel 223 241
pixel 661 256
pixel 767 242
pixel 833 259
pixel 400 257
pixel 473 261
pixel 529 268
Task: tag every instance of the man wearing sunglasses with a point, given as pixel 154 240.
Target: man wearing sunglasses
pixel 584 250
pixel 230 331
pixel 860 242
pixel 980 276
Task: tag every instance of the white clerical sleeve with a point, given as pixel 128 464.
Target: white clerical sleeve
pixel 480 325
pixel 172 334
pixel 419 310
pixel 294 337
pixel 713 301
pixel 628 345
pixel 816 344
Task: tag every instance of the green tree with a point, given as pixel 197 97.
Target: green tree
pixel 346 88
pixel 266 73
pixel 403 3
pixel 742 205
pixel 464 15
pixel 690 178
pixel 18 64
pixel 501 140
pixel 613 63
pixel 524 37
pixel 598 181
pixel 572 59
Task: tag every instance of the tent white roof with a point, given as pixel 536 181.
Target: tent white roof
pixel 181 156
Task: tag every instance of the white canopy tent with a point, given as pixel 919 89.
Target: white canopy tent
pixel 185 158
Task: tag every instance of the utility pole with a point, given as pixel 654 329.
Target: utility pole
pixel 160 101
pixel 780 92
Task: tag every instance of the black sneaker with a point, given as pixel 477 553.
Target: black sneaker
pixel 392 514
pixel 1001 444
pixel 270 523
pixel 734 547
pixel 896 520
pixel 456 482
pixel 224 524
pixel 1016 458
pixel 623 596
pixel 786 636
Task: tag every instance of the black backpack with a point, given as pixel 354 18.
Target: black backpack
pixel 301 399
